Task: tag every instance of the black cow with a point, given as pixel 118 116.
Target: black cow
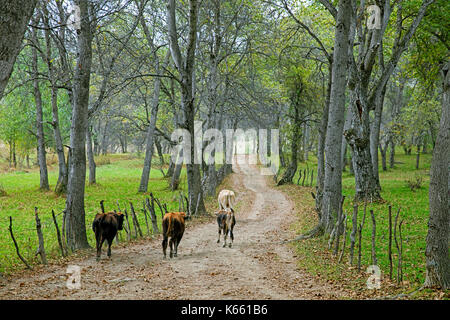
pixel 105 227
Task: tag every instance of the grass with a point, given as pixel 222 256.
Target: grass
pixel 118 179
pixel 317 259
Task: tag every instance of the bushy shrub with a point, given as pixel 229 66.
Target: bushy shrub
pixel 415 183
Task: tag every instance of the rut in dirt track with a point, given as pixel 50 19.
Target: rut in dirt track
pixel 256 267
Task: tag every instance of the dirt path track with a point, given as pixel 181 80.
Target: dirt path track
pixel 256 267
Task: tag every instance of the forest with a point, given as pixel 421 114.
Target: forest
pixel 323 116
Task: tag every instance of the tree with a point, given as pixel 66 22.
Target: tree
pixel 363 137
pixel 436 253
pixel 185 67
pixel 15 16
pixel 332 191
pixel 43 182
pixel 76 226
pixel 150 137
pixel 297 91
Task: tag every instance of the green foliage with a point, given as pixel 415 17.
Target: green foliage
pixel 17 120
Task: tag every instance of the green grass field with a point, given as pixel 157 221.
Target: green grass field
pixel 117 181
pixel 314 253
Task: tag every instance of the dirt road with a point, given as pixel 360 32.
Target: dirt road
pixel 256 267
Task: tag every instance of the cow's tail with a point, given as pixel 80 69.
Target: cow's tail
pixel 229 202
pixel 97 222
pixel 169 226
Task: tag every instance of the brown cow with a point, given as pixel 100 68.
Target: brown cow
pixel 173 226
pixel 226 222
pixel 226 199
pixel 105 227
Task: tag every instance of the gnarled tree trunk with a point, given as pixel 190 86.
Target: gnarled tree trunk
pixel 75 212
pixel 332 190
pixel 43 173
pixel 436 253
pixel 14 18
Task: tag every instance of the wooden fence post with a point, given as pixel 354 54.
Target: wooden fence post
pixel 353 234
pixel 400 253
pixel 399 249
pixel 151 208
pixel 15 244
pixel 127 224
pixel 343 240
pixel 390 243
pixel 58 234
pixel 361 225
pixel 63 232
pixel 339 221
pixel 374 231
pixel 145 216
pixel 41 250
pixel 137 227
pixel 128 228
pixel 160 208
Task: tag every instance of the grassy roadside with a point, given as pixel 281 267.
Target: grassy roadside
pixel 118 179
pixel 314 256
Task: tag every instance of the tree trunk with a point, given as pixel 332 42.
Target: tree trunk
pixel 185 68
pixel 383 152
pixel 348 120
pixel 392 153
pixel 61 185
pixel 436 253
pixel 160 152
pixel 76 227
pixel 292 169
pixel 358 137
pixel 375 135
pixel 43 173
pixel 90 155
pixel 13 152
pixel 418 156
pixel 150 136
pixel 305 142
pixel 15 16
pixel 332 192
pixel 321 145
pixel 175 181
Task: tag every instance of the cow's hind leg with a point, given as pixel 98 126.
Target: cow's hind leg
pixel 231 236
pixel 99 247
pixel 110 240
pixel 164 245
pixel 171 247
pixel 225 233
pixel 177 242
